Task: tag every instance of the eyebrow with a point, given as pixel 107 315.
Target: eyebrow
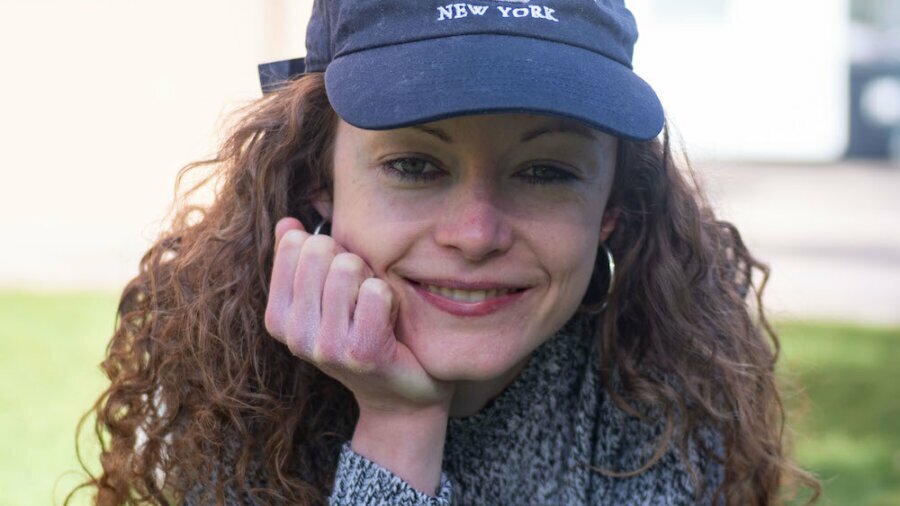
pixel 571 128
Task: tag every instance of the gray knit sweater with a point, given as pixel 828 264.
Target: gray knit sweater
pixel 525 446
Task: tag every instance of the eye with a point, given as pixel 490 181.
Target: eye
pixel 546 174
pixel 411 169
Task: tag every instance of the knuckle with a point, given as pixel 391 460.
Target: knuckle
pixel 316 355
pixel 273 321
pixel 297 336
pixel 299 347
pixel 358 365
pixel 360 355
pixel 348 263
pixel 319 245
pixel 285 219
pixel 292 239
pixel 324 352
pixel 376 288
pixel 335 356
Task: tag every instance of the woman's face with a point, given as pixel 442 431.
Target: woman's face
pixel 485 202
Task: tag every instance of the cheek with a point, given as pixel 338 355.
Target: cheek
pixel 567 244
pixel 566 252
pixel 570 263
pixel 358 235
pixel 367 223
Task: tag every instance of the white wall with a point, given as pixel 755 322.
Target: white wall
pixel 749 79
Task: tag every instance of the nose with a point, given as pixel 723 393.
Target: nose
pixel 473 222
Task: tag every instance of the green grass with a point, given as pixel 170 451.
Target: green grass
pixel 50 349
pixel 849 429
pixel 51 345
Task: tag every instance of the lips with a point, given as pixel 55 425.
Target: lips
pixel 467 298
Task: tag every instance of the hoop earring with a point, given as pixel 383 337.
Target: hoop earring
pixel 611 264
pixel 321 225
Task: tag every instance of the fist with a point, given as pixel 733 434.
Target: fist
pixel 326 305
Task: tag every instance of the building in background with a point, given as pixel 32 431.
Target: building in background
pixel 750 79
pixel 875 80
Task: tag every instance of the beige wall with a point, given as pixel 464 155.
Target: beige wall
pixel 102 102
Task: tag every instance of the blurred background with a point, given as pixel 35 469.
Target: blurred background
pixel 789 111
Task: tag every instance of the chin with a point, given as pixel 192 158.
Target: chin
pixel 447 370
pixel 471 358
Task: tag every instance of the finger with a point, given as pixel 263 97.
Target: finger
pixel 281 286
pixel 309 279
pixel 285 224
pixel 371 326
pixel 347 272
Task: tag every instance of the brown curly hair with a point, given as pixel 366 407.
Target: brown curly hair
pixel 201 396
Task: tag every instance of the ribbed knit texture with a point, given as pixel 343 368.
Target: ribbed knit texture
pixel 525 446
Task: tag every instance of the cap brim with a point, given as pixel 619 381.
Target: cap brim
pixel 429 80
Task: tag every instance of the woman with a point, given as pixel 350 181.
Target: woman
pixel 450 262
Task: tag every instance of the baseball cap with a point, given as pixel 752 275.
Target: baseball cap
pixel 395 63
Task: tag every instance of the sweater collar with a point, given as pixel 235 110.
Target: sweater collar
pixel 550 368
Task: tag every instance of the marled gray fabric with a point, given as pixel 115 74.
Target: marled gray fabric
pixel 525 445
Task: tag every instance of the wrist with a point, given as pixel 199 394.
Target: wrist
pixel 409 444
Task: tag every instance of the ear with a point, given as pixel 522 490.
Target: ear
pixel 324 204
pixel 608 224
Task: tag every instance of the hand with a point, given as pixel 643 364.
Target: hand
pixel 328 308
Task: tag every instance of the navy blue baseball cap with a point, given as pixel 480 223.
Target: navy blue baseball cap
pixel 395 63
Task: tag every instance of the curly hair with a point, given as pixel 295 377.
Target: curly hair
pixel 201 395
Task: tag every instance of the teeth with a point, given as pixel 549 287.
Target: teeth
pixel 466 295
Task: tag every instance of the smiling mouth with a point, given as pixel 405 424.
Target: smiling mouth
pixel 476 299
pixel 467 295
pixel 458 295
